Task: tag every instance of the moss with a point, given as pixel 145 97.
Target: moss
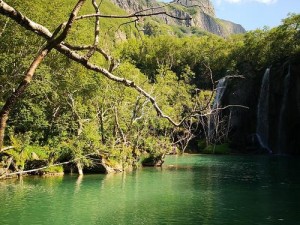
pixel 217 149
pixel 54 169
pixel 201 144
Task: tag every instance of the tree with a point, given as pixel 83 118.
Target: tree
pixel 57 41
pixel 54 40
pixel 117 126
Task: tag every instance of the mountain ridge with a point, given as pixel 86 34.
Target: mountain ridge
pixel 201 12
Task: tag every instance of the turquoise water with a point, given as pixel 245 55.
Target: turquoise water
pixel 187 190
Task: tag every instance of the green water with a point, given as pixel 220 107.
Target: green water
pixel 187 190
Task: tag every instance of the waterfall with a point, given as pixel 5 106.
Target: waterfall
pixel 283 114
pixel 262 127
pixel 220 89
pixel 213 119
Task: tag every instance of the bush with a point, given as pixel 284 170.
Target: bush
pixel 54 169
pixel 217 149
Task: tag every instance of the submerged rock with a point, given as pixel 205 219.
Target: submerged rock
pixel 152 161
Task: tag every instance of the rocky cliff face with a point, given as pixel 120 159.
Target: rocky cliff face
pixel 216 26
pixel 230 28
pixel 135 5
pixel 201 12
pixel 282 109
pixel 204 5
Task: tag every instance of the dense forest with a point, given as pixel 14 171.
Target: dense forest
pixel 74 115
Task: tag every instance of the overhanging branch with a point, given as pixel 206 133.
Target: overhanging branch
pixel 134 15
pixel 42 31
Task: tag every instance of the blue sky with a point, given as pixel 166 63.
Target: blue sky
pixel 252 14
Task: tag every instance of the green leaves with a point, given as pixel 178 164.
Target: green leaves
pixel 264 47
pixel 186 57
pixel 71 112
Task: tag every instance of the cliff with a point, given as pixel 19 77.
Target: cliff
pixel 201 12
pixel 273 125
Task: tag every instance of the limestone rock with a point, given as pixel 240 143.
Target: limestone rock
pixel 201 12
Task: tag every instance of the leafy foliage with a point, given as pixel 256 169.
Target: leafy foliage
pixel 69 113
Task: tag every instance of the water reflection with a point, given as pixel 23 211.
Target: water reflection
pixel 194 190
pixel 78 183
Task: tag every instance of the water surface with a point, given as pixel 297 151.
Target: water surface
pixel 187 190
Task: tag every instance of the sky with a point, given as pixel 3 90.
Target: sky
pixel 253 14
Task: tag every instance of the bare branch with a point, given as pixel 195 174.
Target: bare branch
pixel 97 31
pixel 134 15
pixel 4 27
pixel 235 76
pixel 135 119
pixel 14 97
pixel 213 87
pixel 118 125
pixel 152 9
pixel 52 42
pixel 126 23
pixel 80 59
pixel 7 148
pixel 58 44
pixel 46 167
pixel 221 108
pixel 88 47
pixel 113 64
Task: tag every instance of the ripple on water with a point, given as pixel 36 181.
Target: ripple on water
pixel 194 190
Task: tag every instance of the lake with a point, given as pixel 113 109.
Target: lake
pixel 189 189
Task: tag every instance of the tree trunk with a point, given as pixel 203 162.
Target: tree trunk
pixel 15 96
pixel 101 120
pixel 80 168
pixel 118 126
pixel 54 41
pixel 3 120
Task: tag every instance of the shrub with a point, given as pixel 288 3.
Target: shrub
pixel 217 149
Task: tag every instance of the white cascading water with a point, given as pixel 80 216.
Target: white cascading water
pixel 262 127
pixel 213 118
pixel 283 114
pixel 220 89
